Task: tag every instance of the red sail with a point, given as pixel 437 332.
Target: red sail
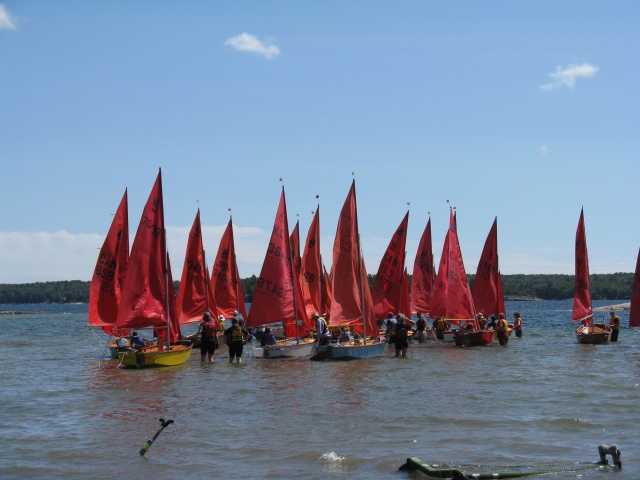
pixel 174 321
pixel 224 277
pixel 311 269
pixel 486 295
pixel 452 296
pixel 582 297
pixel 193 297
pixel 277 297
pixel 423 274
pixel 501 306
pixel 387 288
pixel 242 307
pixel 111 268
pixel 634 312
pixel 351 302
pixel 144 294
pixel 327 292
pixel 405 304
pixel 294 241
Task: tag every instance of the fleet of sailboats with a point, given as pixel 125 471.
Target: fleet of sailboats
pixel 132 289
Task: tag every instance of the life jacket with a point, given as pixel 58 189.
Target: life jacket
pixel 236 334
pixel 616 323
pixel 502 325
pixel 325 326
pixel 421 324
pixel 208 330
pixel 440 324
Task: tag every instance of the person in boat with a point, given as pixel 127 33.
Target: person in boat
pixel 323 334
pixel 492 323
pixel 421 327
pixel 208 338
pixel 344 336
pixel 401 334
pixel 517 324
pixel 391 326
pixel 439 325
pixel 238 316
pixel 268 338
pixel 136 341
pixel 614 322
pixel 502 328
pixel 468 327
pixel 236 338
pixel 482 321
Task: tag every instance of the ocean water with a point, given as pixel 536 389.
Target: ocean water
pixel 542 403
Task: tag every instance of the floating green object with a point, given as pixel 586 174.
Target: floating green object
pixel 460 474
pixel 147 445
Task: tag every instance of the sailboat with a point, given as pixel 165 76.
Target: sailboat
pixel 634 310
pixel 277 297
pixel 147 293
pixel 451 298
pixel 311 273
pixel 351 303
pixel 488 298
pixel 195 294
pixel 108 278
pixel 387 288
pixel 589 332
pixel 423 274
pixel 225 277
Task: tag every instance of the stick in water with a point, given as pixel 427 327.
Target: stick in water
pixel 147 445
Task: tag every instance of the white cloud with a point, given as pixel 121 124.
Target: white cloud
pixel 7 22
pixel 246 42
pixel 566 77
pixel 27 257
pixel 543 150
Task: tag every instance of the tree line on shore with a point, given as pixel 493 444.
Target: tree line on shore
pixel 613 286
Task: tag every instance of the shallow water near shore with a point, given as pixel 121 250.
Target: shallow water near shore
pixel 543 402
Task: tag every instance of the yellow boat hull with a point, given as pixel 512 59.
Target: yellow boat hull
pixel 150 357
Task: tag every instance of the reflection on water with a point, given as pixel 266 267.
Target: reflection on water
pixel 543 399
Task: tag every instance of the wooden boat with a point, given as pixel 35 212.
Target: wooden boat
pixel 351 303
pixel 451 298
pixel 147 299
pixel 278 298
pixel 634 309
pixel 488 298
pixel 108 278
pixel 588 332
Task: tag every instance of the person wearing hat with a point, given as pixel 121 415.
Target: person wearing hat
pixel 323 335
pixel 482 322
pixel 209 338
pixel 238 316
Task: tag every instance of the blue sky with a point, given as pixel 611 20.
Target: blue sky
pixel 522 110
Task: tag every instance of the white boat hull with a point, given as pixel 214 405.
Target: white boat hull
pixel 351 351
pixel 285 350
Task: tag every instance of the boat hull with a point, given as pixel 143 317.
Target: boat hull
pixel 473 339
pixel 594 334
pixel 352 351
pixel 150 357
pixel 285 350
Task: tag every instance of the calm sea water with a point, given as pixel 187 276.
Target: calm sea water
pixel 544 402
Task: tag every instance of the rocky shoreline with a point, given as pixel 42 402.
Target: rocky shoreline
pixel 24 312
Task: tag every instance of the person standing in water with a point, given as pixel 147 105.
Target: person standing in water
pixel 517 324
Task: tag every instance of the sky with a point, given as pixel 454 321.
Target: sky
pixel 526 111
